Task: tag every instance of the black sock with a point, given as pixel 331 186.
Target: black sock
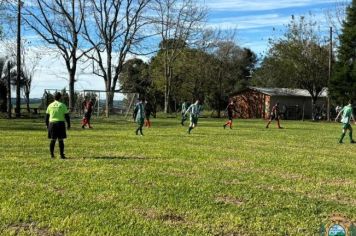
pixel 141 130
pixel 342 137
pixel 61 147
pixel 190 129
pixel 51 147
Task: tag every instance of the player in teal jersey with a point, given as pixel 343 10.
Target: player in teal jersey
pixel 139 116
pixel 183 110
pixel 194 111
pixel 347 115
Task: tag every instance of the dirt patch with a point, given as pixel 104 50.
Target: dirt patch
pixel 229 200
pixel 31 228
pixel 172 218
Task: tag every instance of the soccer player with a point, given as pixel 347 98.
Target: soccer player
pixel 347 115
pixel 56 114
pixel 230 110
pixel 148 112
pixel 274 116
pixel 139 115
pixel 194 111
pixel 88 107
pixel 183 110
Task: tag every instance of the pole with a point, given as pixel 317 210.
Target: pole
pixel 9 102
pixel 18 57
pixel 329 75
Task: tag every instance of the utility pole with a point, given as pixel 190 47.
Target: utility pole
pixel 18 63
pixel 329 77
pixel 9 103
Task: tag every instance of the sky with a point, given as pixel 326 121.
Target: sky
pixel 254 21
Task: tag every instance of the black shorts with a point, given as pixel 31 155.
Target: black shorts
pixel 273 117
pixel 230 116
pixel 87 115
pixel 57 130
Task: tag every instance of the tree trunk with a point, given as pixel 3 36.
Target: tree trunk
pixel 18 63
pixel 167 92
pixel 71 91
pixel 27 95
pixel 313 108
pixel 109 102
pixel 9 102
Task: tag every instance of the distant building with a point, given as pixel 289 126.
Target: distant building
pixel 254 102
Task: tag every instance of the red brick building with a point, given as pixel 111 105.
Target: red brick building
pixel 254 102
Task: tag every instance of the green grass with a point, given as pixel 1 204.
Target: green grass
pixel 245 181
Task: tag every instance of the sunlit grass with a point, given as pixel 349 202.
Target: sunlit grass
pixel 246 181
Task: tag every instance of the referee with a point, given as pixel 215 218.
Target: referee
pixel 56 114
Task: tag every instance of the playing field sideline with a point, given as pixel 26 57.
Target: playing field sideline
pixel 246 181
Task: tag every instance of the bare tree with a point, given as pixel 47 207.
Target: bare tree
pixel 176 21
pixel 337 15
pixel 30 59
pixel 59 23
pixel 113 28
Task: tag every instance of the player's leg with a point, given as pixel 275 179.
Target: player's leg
pixel 183 119
pixel 52 144
pixel 350 134
pixel 141 126
pixel 269 122
pixel 278 124
pixel 342 135
pixel 191 125
pixel 61 148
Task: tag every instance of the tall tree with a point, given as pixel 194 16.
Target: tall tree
pixel 113 29
pixel 177 22
pixel 343 82
pixel 233 67
pixel 59 24
pixel 299 59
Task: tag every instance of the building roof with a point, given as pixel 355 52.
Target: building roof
pixel 287 92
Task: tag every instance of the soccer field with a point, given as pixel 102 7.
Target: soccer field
pixel 246 181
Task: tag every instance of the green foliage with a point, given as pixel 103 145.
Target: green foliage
pixel 299 59
pixel 245 181
pixel 211 77
pixel 343 83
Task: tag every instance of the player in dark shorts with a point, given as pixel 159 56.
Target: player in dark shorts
pixel 88 108
pixel 230 113
pixel 148 113
pixel 275 115
pixel 347 116
pixel 194 111
pixel 139 116
pixel 56 114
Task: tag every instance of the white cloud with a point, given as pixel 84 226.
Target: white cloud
pixel 259 5
pixel 250 21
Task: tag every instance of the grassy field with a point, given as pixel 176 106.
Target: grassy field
pixel 245 181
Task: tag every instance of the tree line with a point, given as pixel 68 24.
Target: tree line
pixel 187 61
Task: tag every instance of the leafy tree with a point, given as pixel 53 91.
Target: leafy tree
pixel 343 82
pixel 298 59
pixel 176 22
pixel 232 69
